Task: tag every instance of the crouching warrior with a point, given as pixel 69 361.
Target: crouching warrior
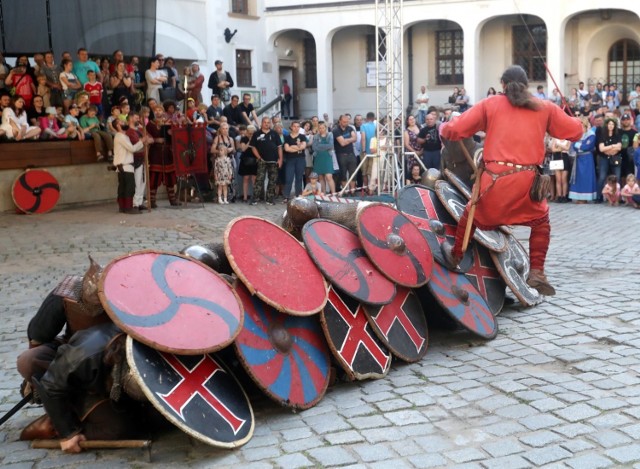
pixel 79 377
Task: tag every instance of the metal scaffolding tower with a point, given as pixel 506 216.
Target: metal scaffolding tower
pixel 389 95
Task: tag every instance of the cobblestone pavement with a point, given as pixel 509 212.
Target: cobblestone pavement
pixel 558 387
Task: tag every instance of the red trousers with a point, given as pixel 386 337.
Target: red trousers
pixel 538 239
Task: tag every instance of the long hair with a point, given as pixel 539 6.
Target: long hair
pixel 516 84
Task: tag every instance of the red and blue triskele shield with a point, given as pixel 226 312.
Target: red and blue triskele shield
pixel 462 301
pixel 171 302
pixel 285 355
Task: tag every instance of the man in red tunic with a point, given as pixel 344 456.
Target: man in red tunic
pixel 515 123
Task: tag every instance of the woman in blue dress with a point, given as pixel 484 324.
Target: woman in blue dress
pixel 323 157
pixel 583 185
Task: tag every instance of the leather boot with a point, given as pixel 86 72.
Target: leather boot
pixel 451 262
pixel 40 429
pixel 538 280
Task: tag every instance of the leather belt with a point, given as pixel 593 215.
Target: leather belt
pixel 513 165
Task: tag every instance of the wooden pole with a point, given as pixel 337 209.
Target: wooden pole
pixel 474 197
pixel 94 444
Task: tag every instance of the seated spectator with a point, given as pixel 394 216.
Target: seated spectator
pixel 43 90
pixel 15 123
pixel 19 78
pixel 72 124
pixel 171 113
pixel 50 127
pixel 111 124
pixel 415 176
pixel 82 101
pixel 70 83
pixel 102 140
pixel 37 111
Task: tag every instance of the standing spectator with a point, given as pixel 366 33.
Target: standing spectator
pixel 94 88
pixel 19 78
pixel 368 131
pixel 573 101
pixel 15 123
pixel 52 72
pixel 555 97
pixel 594 98
pixel 83 65
pixel 323 148
pixel 454 96
pixel 194 86
pixel 121 84
pixel 155 78
pixel 344 137
pixel 634 98
pixel 559 152
pixel 583 93
pixel 267 148
pixel 4 71
pixel 248 111
pixel 138 81
pixel 248 167
pixel 70 83
pixel 583 185
pixel 234 114
pixel 172 72
pixel 117 57
pixel 133 132
pixel 220 81
pixel 214 113
pixel 411 143
pixel 223 149
pixel 123 150
pixel 609 141
pixel 286 99
pixel 429 138
pixel 422 100
pixel 294 162
pixel 102 140
pixel 491 91
pixel 627 136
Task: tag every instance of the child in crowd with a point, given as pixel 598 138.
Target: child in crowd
pixel 95 90
pixel 631 192
pixel 72 124
pixel 60 115
pixel 115 115
pixel 125 109
pixel 313 187
pixel 43 90
pixel 50 127
pixel 611 191
pixel 102 140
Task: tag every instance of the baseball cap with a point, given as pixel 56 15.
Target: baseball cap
pixel 313 175
pixel 626 116
pixel 51 110
pixel 217 62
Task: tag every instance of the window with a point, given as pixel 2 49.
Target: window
pixel 243 67
pixel 530 50
pixel 310 68
pixel 240 6
pixel 624 66
pixel 449 57
pixel 371 47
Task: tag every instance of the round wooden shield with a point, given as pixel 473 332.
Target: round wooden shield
pixel 395 245
pixel 486 278
pixel 195 393
pixel 421 205
pixel 401 325
pixel 170 302
pixel 338 253
pixel 275 266
pixel 463 302
pixel 35 191
pixel 513 265
pixel 455 204
pixel 458 183
pixel 351 338
pixel 285 355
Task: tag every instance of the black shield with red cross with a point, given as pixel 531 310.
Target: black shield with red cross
pixel 194 392
pixel 401 325
pixel 455 203
pixel 421 205
pixel 395 245
pixel 338 253
pixel 486 278
pixel 351 338
pixel 35 191
pixel 189 145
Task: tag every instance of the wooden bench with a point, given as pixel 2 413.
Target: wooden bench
pixel 42 154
